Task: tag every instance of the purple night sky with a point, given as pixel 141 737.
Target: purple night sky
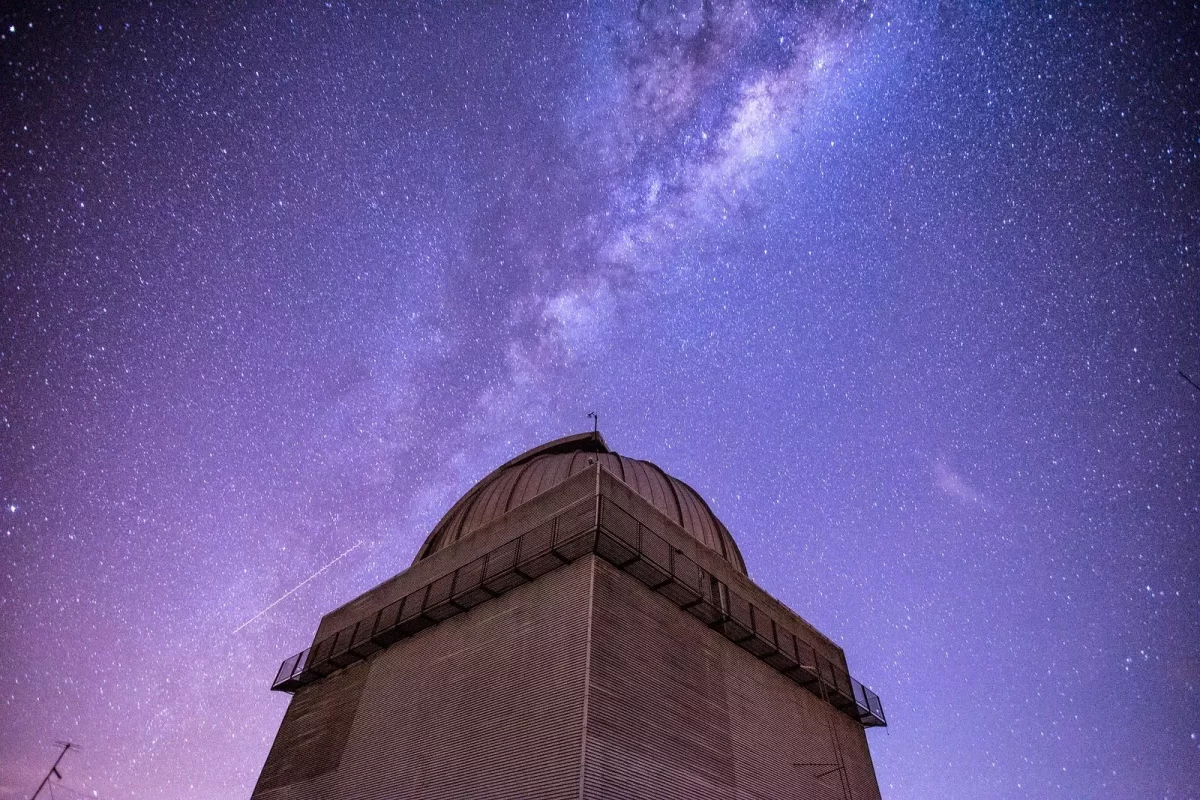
pixel 902 290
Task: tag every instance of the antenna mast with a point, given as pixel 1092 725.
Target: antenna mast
pixel 53 769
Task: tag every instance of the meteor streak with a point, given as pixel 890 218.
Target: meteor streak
pixel 291 591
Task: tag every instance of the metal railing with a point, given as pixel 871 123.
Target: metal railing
pixel 624 541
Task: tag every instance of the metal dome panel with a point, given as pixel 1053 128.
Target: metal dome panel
pixel 542 468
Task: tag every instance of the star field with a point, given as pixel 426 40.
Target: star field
pixel 902 291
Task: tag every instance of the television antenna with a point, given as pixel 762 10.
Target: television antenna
pixel 54 768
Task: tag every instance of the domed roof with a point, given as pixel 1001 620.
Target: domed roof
pixel 542 468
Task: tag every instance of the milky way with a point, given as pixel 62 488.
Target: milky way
pixel 903 291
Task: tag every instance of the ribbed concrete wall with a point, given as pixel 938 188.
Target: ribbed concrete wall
pixel 677 711
pixel 487 704
pixel 313 734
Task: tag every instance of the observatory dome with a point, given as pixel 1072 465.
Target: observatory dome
pixel 544 467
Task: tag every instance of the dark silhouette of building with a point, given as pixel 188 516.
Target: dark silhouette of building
pixel 578 625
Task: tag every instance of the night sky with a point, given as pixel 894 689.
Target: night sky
pixel 902 290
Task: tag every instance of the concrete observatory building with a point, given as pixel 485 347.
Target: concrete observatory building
pixel 578 625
